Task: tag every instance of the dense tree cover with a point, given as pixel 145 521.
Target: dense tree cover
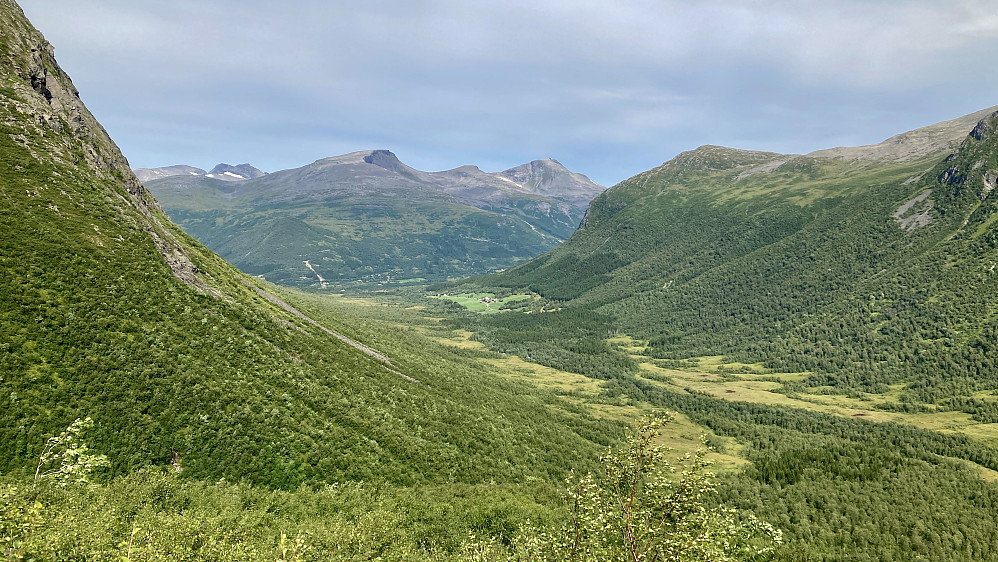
pixel 810 272
pixel 807 267
pixel 362 239
pixel 239 393
pixel 639 509
pixel 154 515
pixel 635 508
pixel 849 489
pixel 566 339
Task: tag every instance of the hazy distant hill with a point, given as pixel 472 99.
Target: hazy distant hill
pixel 226 172
pixel 366 216
pixel 146 174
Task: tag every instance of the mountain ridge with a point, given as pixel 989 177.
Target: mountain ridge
pixel 537 176
pixel 365 216
pixel 697 257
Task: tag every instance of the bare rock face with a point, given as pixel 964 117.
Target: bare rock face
pixel 41 90
pixel 952 176
pixel 990 182
pixel 916 212
pixel 47 93
pixel 981 129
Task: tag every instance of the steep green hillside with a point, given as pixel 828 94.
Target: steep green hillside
pixel 832 314
pixel 865 272
pixel 108 310
pixel 366 217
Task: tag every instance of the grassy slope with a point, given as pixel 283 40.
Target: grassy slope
pixel 786 311
pixel 94 322
pixel 803 268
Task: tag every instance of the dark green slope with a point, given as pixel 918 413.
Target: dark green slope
pixel 367 217
pixel 108 310
pixel 805 263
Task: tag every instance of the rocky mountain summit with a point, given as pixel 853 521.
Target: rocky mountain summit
pixel 241 172
pixel 148 174
pixel 370 171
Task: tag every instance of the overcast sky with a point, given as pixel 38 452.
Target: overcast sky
pixel 610 89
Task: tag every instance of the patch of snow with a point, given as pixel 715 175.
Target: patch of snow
pixel 230 174
pixel 504 178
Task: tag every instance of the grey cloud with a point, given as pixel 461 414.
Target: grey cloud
pixel 609 89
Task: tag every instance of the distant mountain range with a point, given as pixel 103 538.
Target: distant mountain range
pixel 224 172
pixel 368 217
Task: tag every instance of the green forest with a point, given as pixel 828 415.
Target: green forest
pixel 802 270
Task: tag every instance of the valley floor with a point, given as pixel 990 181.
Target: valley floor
pixel 800 458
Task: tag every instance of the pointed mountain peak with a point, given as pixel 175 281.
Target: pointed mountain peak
pixel 385 159
pixel 550 178
pixel 550 162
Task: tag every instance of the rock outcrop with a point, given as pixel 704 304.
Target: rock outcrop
pixel 46 116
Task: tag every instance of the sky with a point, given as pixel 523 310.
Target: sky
pixel 609 89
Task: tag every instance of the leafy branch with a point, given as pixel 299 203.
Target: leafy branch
pixel 66 458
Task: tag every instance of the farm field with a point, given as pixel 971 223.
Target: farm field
pixel 482 302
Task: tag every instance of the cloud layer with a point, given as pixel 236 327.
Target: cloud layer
pixel 609 89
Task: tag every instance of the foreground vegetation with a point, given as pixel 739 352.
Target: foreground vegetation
pixel 634 508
